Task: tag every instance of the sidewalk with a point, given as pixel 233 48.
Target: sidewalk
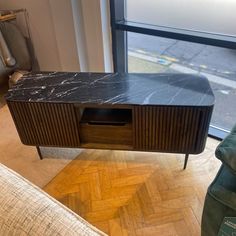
pixel 173 65
pixel 212 60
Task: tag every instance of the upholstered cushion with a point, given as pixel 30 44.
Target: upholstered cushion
pixel 220 202
pixel 223 188
pixel 226 150
pixel 27 210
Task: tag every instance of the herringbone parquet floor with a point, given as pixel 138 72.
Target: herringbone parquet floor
pixel 137 193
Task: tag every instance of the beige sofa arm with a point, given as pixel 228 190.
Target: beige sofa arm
pixel 27 210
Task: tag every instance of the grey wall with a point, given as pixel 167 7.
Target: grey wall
pixel 52 29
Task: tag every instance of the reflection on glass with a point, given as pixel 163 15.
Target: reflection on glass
pixel 212 16
pixel 151 54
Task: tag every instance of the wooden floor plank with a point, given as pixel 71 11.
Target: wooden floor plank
pixel 115 228
pixel 191 222
pixel 163 230
pixel 181 228
pixel 137 193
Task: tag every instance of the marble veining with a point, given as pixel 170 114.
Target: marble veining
pixel 113 88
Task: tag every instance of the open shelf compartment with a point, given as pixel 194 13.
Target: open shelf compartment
pixel 106 126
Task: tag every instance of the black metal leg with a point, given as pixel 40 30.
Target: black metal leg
pixel 39 153
pixel 186 160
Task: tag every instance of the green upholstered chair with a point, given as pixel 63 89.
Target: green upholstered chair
pixel 220 201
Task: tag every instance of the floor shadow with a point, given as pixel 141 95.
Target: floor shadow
pixel 60 153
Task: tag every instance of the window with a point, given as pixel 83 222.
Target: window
pixel 198 37
pixel 213 16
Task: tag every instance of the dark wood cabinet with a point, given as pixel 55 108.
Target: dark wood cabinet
pixel 127 117
pixel 144 128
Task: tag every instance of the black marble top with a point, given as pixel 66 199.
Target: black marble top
pixel 113 88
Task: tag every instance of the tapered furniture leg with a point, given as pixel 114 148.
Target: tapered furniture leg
pixel 186 160
pixel 39 153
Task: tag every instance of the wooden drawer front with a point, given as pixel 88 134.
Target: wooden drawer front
pixel 45 124
pixel 106 134
pixel 171 129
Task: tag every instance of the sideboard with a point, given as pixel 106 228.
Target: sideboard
pixel 141 112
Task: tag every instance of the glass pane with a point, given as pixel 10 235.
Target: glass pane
pixel 151 54
pixel 212 16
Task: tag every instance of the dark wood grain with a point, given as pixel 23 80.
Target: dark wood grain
pixel 149 128
pixel 45 124
pixel 106 134
pixel 171 129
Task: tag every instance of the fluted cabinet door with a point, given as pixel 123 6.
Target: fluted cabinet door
pixel 171 129
pixel 45 124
